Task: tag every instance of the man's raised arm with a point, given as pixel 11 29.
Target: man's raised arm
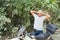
pixel 47 16
pixel 33 12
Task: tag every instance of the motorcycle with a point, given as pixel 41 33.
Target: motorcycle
pixel 24 35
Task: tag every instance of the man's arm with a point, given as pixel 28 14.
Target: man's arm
pixel 47 16
pixel 33 12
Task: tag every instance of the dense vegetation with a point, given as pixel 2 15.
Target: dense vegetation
pixel 14 13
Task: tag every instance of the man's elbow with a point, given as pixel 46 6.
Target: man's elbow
pixel 49 16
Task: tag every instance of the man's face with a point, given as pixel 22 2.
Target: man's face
pixel 39 14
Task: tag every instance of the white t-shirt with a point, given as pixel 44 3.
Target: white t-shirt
pixel 38 22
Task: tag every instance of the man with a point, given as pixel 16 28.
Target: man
pixel 39 18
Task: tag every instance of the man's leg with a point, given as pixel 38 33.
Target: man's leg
pixel 37 32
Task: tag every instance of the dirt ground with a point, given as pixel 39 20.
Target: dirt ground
pixel 56 36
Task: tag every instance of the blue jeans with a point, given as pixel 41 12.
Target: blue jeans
pixel 37 32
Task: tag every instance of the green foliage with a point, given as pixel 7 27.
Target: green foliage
pixel 17 12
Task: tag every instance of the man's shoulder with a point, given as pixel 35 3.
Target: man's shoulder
pixel 43 17
pixel 35 15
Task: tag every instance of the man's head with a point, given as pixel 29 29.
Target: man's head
pixel 39 13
